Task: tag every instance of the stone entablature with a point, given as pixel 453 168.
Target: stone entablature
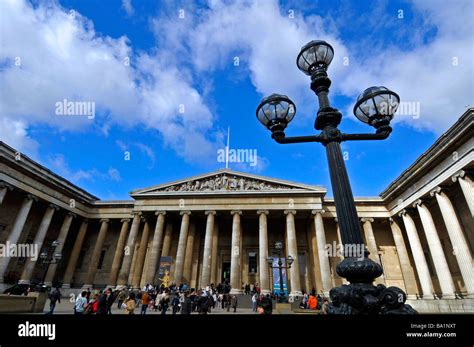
pixel 452 152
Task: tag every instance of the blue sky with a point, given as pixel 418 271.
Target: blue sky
pixel 163 78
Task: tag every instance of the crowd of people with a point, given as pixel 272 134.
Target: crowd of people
pixel 179 299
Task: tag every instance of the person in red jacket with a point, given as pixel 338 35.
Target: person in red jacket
pixel 312 302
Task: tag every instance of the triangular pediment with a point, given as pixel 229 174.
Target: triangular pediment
pixel 225 181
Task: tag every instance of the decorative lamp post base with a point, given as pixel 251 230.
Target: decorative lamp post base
pixel 361 296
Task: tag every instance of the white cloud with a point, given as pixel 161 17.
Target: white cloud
pixel 128 7
pixel 267 42
pixel 15 134
pixel 148 151
pixel 62 57
pixel 59 164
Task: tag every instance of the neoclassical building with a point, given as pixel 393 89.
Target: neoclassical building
pixel 224 225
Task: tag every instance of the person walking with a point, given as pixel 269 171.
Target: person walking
pixel 130 304
pixel 254 302
pixel 80 303
pixel 102 308
pixel 175 303
pixel 145 302
pixel 121 298
pixel 186 304
pixel 54 297
pixel 164 302
pixel 91 307
pixel 233 302
pixel 88 294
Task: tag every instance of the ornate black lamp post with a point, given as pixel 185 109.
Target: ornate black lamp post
pixel 288 260
pixel 49 257
pixel 376 107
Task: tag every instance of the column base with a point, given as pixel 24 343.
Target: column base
pixel 85 286
pixel 412 297
pixel 295 294
pixel 24 282
pixel 48 284
pixel 265 291
pixel 470 296
pixel 236 291
pixel 448 296
pixel 66 285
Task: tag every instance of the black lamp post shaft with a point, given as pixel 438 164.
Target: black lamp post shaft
pixel 348 220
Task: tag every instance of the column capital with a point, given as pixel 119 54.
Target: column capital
pixel 435 191
pixel 51 205
pixel 417 203
pixel 233 212
pixel 73 215
pixel 367 219
pixel 123 220
pixel 160 213
pixel 211 212
pixel 104 220
pixel 293 212
pixel 391 220
pixel 31 197
pixel 265 212
pixel 133 214
pixel 182 213
pixel 402 213
pixel 85 220
pixel 4 184
pixel 457 175
pixel 335 220
pixel 315 212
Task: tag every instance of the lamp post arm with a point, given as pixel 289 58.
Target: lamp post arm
pixel 279 136
pixel 358 137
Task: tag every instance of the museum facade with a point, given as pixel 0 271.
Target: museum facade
pixel 224 225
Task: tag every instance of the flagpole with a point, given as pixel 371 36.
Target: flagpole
pixel 227 149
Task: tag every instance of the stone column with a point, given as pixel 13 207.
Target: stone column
pixel 137 271
pixel 264 281
pixel 215 254
pixel 458 240
pixel 16 231
pixel 76 249
pixel 119 253
pixel 99 244
pixel 418 256
pixel 183 236
pixel 38 241
pixel 235 261
pixel 323 257
pixel 194 282
pixel 207 257
pixel 4 187
pixel 293 251
pixel 407 270
pixel 167 239
pixel 341 248
pixel 188 255
pixel 467 187
pixel 129 250
pixel 63 232
pixel 155 247
pixel 372 245
pixel 437 254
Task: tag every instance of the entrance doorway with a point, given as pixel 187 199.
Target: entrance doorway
pixel 225 272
